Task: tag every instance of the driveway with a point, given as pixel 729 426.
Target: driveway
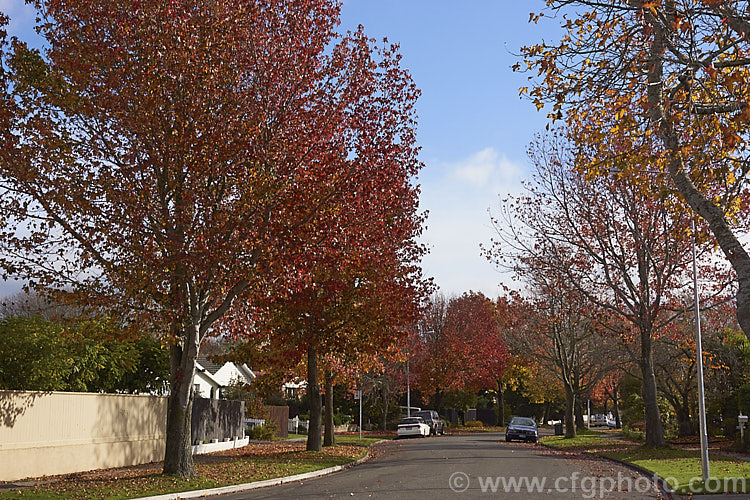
pixel 467 467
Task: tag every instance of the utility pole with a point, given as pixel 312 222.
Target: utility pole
pixel 408 388
pixel 699 367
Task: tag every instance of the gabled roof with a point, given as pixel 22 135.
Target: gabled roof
pixel 207 365
pixel 200 371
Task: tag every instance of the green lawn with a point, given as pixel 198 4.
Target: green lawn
pixel 295 436
pixel 682 469
pixel 585 440
pixel 353 440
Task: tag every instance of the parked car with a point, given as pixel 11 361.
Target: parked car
pixel 522 428
pixel 599 419
pixel 431 418
pixel 412 426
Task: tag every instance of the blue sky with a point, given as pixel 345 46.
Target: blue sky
pixel 473 128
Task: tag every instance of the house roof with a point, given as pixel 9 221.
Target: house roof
pixel 206 375
pixel 207 365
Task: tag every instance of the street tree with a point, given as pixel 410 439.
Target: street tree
pixel 460 346
pixel 665 81
pixel 622 249
pixel 559 333
pixel 173 158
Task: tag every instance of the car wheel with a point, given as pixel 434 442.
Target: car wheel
pixel 507 439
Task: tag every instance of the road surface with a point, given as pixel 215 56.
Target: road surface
pixel 468 467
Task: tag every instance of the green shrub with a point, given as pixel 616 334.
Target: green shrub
pixel 341 419
pixel 473 423
pixel 633 433
pixel 265 432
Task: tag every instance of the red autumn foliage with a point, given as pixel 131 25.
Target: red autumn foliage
pixel 460 346
pixel 178 159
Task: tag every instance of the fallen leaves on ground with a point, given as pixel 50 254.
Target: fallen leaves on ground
pixel 255 462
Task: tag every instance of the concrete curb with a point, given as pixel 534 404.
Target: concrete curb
pixel 238 488
pixel 658 481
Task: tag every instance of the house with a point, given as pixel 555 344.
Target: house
pixel 293 389
pixel 211 377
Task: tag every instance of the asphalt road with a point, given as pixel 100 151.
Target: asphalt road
pixel 467 467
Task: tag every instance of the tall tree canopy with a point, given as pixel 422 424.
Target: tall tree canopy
pixel 177 158
pixel 622 249
pixel 665 83
pixel 460 347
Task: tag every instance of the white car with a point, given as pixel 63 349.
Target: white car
pixel 413 426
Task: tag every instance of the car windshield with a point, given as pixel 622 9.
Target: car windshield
pixel 528 422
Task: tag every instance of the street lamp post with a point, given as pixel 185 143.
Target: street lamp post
pixel 699 353
pixel 408 388
pixel 699 367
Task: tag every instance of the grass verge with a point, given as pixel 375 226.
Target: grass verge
pixel 680 468
pixel 469 430
pixel 585 441
pixel 243 465
pixel 350 440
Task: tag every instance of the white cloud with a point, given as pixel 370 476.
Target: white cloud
pixel 480 167
pixel 458 195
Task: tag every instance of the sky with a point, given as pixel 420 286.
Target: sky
pixel 473 129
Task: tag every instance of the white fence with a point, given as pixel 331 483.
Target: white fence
pixel 298 426
pixel 295 426
pixel 254 422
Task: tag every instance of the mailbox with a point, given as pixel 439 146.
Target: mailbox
pixel 742 419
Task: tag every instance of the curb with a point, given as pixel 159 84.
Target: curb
pixel 658 481
pixel 238 488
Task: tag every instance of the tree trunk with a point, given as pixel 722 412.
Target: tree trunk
pixel 580 424
pixel 714 215
pixel 616 404
pixel 684 421
pixel 438 400
pixel 654 430
pixel 570 403
pixel 547 409
pixel 313 392
pixel 329 438
pixel 386 401
pixel 178 453
pixel 500 403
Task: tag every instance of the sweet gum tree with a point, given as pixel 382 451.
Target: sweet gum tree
pixel 459 346
pixel 171 158
pixel 621 248
pixel 667 82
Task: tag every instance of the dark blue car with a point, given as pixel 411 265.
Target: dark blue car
pixel 523 429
